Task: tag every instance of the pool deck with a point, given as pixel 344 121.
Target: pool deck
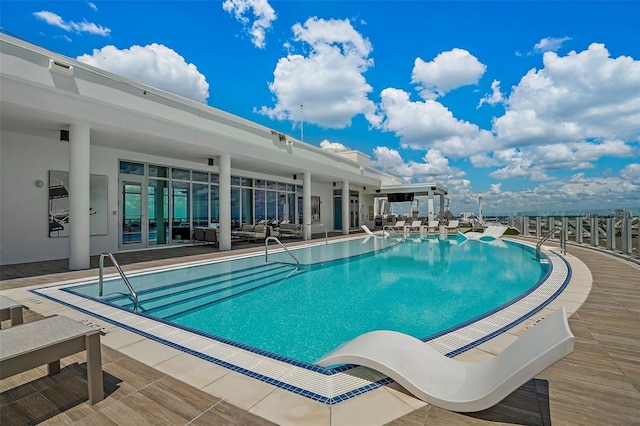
pixel 149 383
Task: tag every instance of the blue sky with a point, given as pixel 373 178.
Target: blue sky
pixel 531 105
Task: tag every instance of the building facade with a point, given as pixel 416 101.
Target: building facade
pixel 92 162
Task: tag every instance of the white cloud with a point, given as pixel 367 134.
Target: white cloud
pixel 262 13
pixel 447 71
pixel 631 173
pixel 429 124
pixel 435 167
pixel 580 97
pixel 155 65
pixel 333 146
pixel 495 97
pixel 329 82
pixel 79 27
pixel 92 6
pixel 550 44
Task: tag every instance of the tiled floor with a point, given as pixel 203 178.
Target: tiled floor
pixel 597 384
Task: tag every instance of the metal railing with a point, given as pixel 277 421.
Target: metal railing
pixel 134 295
pixel 326 231
pixel 542 240
pixel 266 250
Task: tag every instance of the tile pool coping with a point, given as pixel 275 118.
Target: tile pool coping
pixel 316 383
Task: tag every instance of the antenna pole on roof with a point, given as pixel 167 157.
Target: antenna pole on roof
pixel 301 125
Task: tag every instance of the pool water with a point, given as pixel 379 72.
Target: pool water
pixel 419 287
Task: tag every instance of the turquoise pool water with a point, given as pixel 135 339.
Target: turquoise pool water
pixel 341 290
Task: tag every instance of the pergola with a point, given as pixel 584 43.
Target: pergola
pixel 409 191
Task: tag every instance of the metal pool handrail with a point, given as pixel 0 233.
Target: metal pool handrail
pixel 326 231
pixel 543 239
pixel 266 249
pixel 134 295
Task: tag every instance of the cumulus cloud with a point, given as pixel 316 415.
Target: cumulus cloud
pixel 494 98
pixel 579 97
pixel 262 16
pixel 333 146
pixel 447 71
pixel 434 167
pixel 429 124
pixel 329 81
pixel 71 26
pixel 155 65
pixel 550 44
pixel 92 6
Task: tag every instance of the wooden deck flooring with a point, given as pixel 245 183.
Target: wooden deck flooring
pixel 598 384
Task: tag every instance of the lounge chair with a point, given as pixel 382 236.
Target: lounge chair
pixel 414 227
pixel 433 226
pixel 398 226
pixel 28 346
pixel 453 226
pixel 377 234
pixel 455 385
pixel 490 235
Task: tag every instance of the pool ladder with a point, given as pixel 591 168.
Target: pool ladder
pixel 134 295
pixel 563 241
pixel 266 250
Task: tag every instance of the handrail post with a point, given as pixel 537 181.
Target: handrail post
pixel 134 295
pixel 266 250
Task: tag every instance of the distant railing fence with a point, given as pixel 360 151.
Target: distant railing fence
pixel 616 233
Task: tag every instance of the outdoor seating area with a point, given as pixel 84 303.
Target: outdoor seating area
pixel 293 230
pixel 205 235
pixel 252 232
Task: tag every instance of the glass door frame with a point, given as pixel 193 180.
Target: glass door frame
pixel 144 232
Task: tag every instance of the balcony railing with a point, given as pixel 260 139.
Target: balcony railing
pixel 615 232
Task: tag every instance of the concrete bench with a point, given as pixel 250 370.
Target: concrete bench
pixel 10 309
pixel 28 346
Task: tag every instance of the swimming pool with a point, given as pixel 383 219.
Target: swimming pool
pixel 341 290
pixel 327 386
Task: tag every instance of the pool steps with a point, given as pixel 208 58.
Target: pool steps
pixel 169 302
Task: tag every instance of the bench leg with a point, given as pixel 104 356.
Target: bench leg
pixel 16 316
pixel 53 368
pixel 94 368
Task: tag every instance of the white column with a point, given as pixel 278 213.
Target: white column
pixel 306 205
pixel 430 206
pixel 79 204
pixel 224 230
pixel 441 211
pixel 346 205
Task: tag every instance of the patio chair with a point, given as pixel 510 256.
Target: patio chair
pixel 377 234
pixel 414 227
pixel 398 226
pixel 453 226
pixel 456 385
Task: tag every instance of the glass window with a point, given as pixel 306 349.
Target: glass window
pixel 180 174
pixel 260 183
pixel 200 204
pixel 215 204
pixel 271 184
pixel 247 182
pixel 129 168
pixel 215 178
pixel 158 171
pixel 200 176
pixel 291 188
pixel 282 186
pixel 158 211
pixel 181 218
pixel 235 208
pixel 247 206
pixel 271 205
pixel 260 203
pixel 235 181
pixel 299 189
